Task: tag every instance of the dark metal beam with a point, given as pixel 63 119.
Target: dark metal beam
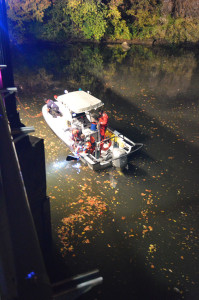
pixel 6 74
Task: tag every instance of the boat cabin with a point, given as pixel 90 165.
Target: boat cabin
pixel 78 108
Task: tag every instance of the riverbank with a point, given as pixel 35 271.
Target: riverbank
pixel 123 42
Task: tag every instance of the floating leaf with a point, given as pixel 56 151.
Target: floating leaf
pixel 152 266
pixel 86 241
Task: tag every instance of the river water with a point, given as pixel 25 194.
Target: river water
pixel 138 226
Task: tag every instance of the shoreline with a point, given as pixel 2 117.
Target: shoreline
pixel 109 42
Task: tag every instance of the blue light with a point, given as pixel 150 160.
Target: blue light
pixel 30 275
pixel 77 167
pixel 59 165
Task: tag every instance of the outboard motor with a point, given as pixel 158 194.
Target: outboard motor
pixel 119 158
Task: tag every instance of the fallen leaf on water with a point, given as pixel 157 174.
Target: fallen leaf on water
pixel 152 266
pixel 152 248
pixel 86 241
pixel 87 228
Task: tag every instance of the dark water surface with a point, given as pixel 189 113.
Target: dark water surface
pixel 139 226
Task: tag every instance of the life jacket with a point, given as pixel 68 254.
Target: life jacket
pixel 75 133
pixel 103 120
pixel 88 147
pixel 92 140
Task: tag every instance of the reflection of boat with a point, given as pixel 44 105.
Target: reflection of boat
pixel 76 110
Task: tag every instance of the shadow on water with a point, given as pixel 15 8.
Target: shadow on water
pixel 128 279
pixel 136 282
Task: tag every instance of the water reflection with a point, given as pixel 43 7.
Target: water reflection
pixel 77 166
pixel 58 165
pixel 139 226
pixel 113 181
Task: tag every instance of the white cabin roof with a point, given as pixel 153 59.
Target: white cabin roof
pixel 80 101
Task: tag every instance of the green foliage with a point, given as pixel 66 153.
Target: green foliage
pixel 118 28
pixel 88 17
pixel 21 13
pixel 57 25
pixel 95 20
pixel 182 30
pixel 22 10
pixel 146 19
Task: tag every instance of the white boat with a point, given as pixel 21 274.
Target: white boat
pixel 76 110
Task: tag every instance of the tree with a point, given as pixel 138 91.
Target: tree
pixel 27 10
pixel 57 22
pixel 21 13
pixel 146 18
pixel 88 17
pixel 117 26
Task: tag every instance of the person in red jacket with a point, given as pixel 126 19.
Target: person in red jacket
pixel 90 145
pixel 76 134
pixel 103 122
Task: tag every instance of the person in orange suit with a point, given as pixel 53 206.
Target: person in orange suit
pixel 103 122
pixel 90 145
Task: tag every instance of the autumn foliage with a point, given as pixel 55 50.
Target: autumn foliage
pixel 172 21
pixel 27 10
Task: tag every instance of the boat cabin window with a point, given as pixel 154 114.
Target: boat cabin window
pixel 74 115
